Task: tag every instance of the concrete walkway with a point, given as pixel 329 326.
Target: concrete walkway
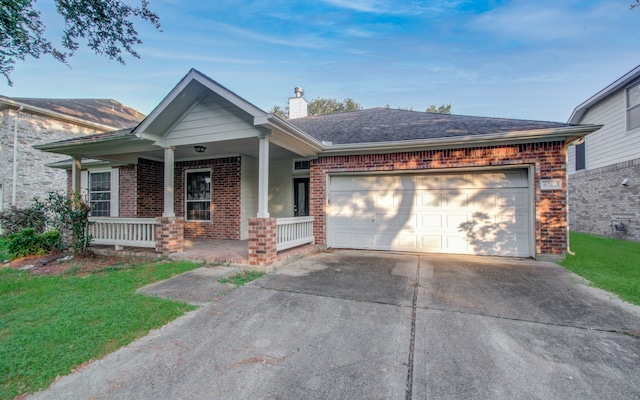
pixel 368 325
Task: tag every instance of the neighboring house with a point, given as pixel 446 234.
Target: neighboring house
pixel 25 122
pixel 604 171
pixel 206 163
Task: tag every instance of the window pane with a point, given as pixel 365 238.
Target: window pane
pixel 100 181
pixel 633 96
pixel 198 188
pixel 633 117
pixel 198 211
pixel 100 194
pixel 580 157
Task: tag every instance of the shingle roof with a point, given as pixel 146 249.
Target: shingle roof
pixel 107 112
pixel 384 124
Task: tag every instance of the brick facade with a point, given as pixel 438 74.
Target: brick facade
pixel 597 198
pixel 150 184
pixel 128 205
pixel 169 235
pixel 547 159
pixel 225 198
pixel 34 178
pixel 262 241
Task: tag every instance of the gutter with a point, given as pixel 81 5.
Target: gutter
pixel 15 156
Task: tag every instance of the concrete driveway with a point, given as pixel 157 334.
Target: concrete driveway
pixel 372 325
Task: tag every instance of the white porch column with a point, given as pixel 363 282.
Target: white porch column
pixel 169 180
pixel 76 170
pixel 263 178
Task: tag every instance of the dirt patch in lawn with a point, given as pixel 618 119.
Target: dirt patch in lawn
pixel 58 264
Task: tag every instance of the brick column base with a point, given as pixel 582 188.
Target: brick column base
pixel 262 241
pixel 169 235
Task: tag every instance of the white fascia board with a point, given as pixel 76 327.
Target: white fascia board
pixel 104 146
pixel 275 125
pixel 618 84
pixel 86 163
pixel 538 135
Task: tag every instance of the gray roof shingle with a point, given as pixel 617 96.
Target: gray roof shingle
pixel 385 124
pixel 101 111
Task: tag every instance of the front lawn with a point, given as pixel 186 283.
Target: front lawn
pixel 610 264
pixel 52 324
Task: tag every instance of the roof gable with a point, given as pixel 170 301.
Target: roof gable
pixel 617 85
pixel 183 98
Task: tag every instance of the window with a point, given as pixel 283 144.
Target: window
pixel 633 107
pixel 100 194
pixel 580 157
pixel 198 189
pixel 301 165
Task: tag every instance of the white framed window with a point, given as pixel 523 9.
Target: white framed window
pixel 633 106
pixel 198 195
pixel 301 165
pixel 101 188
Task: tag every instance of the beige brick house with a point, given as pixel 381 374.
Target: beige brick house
pixel 25 122
pixel 206 163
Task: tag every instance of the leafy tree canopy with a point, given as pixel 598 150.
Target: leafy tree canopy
pixel 106 25
pixel 443 109
pixel 321 106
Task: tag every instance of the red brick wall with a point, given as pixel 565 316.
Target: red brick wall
pixel 150 184
pixel 127 198
pixel 225 198
pixel 548 160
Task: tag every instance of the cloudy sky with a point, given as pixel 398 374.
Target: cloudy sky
pixel 516 59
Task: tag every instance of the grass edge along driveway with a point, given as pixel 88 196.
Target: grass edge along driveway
pixel 609 264
pixel 50 325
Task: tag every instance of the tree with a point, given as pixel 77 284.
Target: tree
pixel 324 106
pixel 321 106
pixel 443 109
pixel 105 24
pixel 282 112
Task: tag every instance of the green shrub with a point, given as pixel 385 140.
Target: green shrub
pixel 14 219
pixel 29 243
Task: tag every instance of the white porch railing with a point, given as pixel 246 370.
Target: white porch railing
pixel 137 232
pixel 292 232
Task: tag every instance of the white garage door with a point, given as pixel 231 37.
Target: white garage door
pixel 463 213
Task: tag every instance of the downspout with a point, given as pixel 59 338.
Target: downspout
pixel 15 157
pixel 566 163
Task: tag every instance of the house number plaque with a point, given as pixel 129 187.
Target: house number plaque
pixel 550 184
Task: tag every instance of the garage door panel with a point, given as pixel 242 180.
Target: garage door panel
pixel 426 213
pixel 430 221
pixel 431 243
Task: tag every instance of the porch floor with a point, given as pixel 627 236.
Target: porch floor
pixel 209 251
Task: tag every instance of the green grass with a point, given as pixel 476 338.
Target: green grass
pixel 51 324
pixel 610 264
pixel 242 278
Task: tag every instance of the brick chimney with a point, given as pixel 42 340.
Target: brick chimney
pixel 297 104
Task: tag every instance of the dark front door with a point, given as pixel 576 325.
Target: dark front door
pixel 301 197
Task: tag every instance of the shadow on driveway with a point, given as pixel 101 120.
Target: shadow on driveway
pixel 377 325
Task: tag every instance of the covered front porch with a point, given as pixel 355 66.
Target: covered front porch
pixel 205 164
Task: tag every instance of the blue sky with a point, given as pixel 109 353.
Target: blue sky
pixel 514 59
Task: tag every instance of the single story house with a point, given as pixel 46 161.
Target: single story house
pixel 206 163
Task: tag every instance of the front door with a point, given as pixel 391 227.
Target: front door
pixel 301 197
